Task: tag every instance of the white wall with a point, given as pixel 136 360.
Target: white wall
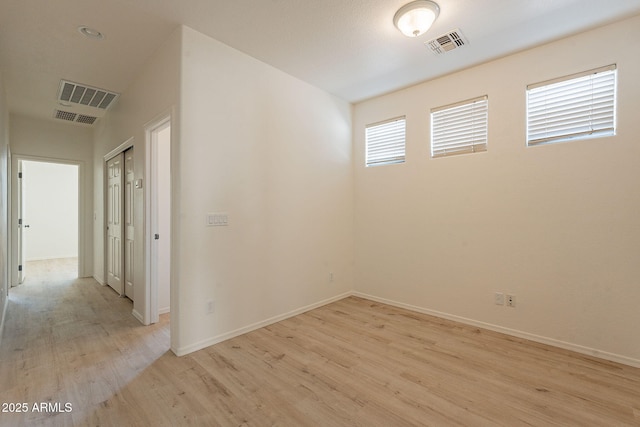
pixel 48 140
pixel 4 205
pixel 556 225
pixel 50 208
pixel 275 154
pixel 153 92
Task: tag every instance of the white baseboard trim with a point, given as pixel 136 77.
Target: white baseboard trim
pixel 164 310
pixel 137 315
pixel 47 258
pixel 99 280
pixel 513 332
pixel 3 316
pixel 223 337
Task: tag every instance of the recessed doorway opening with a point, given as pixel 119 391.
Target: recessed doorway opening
pixel 47 218
pixel 159 218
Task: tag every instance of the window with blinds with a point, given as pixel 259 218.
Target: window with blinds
pixel 385 142
pixel 575 107
pixel 460 128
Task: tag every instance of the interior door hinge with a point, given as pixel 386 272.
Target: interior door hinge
pixel 19 174
pixel 20 267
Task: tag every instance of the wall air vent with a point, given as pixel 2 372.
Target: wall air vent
pixel 77 94
pixel 447 42
pixel 74 117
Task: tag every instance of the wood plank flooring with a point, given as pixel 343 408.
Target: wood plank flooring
pixel 350 363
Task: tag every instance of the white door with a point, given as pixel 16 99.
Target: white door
pixel 114 223
pixel 128 223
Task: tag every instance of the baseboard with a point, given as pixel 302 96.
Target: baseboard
pixel 2 317
pixel 629 361
pixel 99 280
pixel 47 258
pixel 164 310
pixel 223 337
pixel 513 332
pixel 137 315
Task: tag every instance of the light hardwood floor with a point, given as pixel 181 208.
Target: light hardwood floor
pixel 350 363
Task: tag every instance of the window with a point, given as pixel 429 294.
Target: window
pixel 574 107
pixel 386 142
pixel 459 128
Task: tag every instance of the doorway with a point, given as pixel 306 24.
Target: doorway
pixel 48 223
pixel 159 218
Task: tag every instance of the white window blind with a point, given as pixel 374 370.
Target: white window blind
pixel 459 128
pixel 386 142
pixel 578 106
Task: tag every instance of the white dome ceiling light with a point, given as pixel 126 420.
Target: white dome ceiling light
pixel 415 18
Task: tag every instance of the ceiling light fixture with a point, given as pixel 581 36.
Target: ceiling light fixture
pixel 415 18
pixel 90 32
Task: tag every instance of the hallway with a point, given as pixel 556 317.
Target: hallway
pixel 70 340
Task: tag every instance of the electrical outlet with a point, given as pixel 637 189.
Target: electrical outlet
pixel 210 307
pixel 499 298
pixel 511 300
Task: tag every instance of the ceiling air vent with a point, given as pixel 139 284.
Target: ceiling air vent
pixel 74 117
pixel 66 115
pixel 87 120
pixel 447 42
pixel 74 93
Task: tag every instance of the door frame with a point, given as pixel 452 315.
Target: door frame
pixel 151 287
pixel 20 246
pixel 82 199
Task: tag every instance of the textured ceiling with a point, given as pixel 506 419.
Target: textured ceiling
pixel 347 47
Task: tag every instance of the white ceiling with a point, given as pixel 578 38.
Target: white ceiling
pixel 347 47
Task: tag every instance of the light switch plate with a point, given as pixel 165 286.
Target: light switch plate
pixel 217 219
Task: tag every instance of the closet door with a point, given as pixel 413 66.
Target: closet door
pixel 114 223
pixel 128 223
